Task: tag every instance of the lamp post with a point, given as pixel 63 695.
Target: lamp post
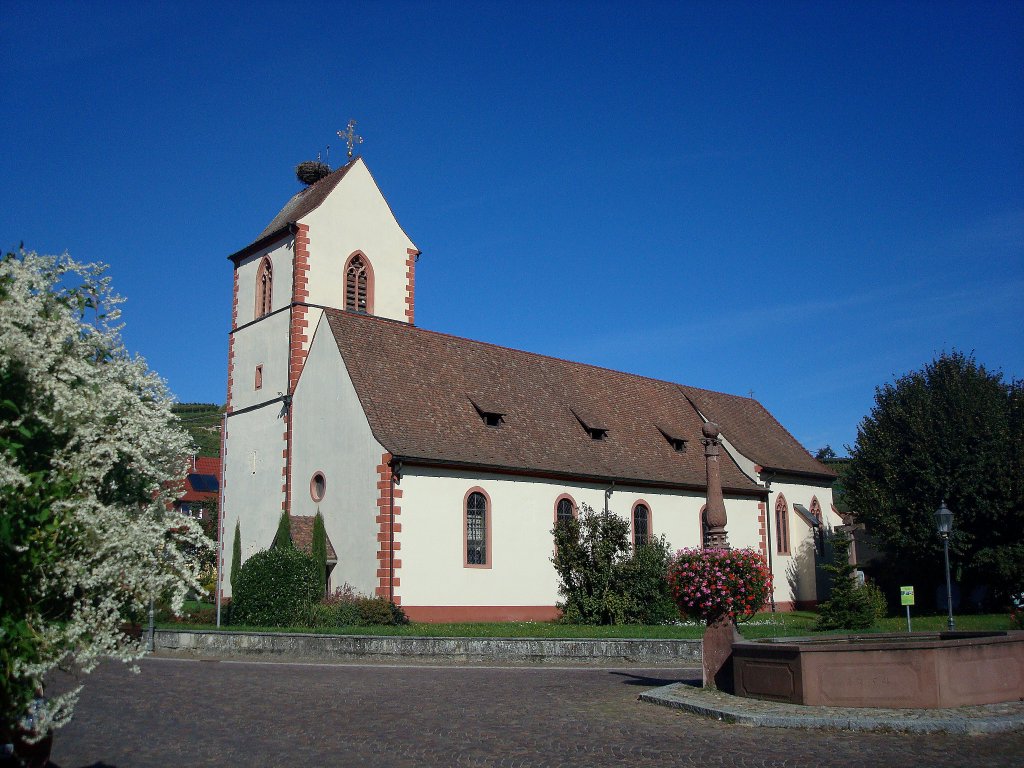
pixel 944 524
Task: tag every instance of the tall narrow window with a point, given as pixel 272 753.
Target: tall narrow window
pixel 782 525
pixel 264 288
pixel 641 525
pixel 819 529
pixel 357 285
pixel 476 529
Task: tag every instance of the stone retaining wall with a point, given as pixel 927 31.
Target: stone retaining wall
pixel 213 643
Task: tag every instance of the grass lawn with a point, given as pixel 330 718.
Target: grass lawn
pixel 793 624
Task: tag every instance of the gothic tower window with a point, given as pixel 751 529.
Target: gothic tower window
pixel 358 284
pixel 264 288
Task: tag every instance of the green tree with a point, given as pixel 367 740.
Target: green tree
pixel 950 431
pixel 319 548
pixel 602 580
pixel 90 456
pixel 283 537
pixel 849 605
pixel 236 555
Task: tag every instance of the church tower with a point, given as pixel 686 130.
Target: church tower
pixel 335 244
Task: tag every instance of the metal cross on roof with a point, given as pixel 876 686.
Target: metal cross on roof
pixel 350 136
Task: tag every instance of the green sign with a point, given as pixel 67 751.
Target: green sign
pixel 906 595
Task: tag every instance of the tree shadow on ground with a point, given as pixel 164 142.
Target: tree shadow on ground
pixel 647 681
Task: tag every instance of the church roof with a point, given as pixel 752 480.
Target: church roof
pixel 302 203
pixel 307 200
pixel 756 433
pixel 427 396
pixel 301 527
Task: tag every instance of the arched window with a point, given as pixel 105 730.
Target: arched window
pixel 564 509
pixel 358 284
pixel 264 288
pixel 782 525
pixel 477 519
pixel 819 529
pixel 641 525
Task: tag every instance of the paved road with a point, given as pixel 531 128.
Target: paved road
pixel 184 713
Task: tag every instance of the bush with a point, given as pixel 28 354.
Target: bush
pixel 875 597
pixel 602 580
pixel 350 609
pixel 714 584
pixel 274 587
pixel 1017 610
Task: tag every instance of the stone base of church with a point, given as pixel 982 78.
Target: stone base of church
pixel 471 613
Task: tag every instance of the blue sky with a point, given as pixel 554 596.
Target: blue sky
pixel 803 200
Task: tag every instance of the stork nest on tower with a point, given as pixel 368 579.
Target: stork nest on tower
pixel 311 171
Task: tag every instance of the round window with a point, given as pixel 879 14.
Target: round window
pixel 318 486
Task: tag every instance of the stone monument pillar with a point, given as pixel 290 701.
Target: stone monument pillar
pixel 719 636
pixel 714 512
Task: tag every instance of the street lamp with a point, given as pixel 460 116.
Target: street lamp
pixel 944 524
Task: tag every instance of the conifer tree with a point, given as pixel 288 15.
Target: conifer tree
pixel 236 555
pixel 283 537
pixel 320 548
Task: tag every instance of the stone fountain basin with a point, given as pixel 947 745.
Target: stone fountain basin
pixel 919 670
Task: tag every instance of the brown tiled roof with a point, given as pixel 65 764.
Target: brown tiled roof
pixel 302 203
pixel 307 200
pixel 417 388
pixel 302 536
pixel 756 434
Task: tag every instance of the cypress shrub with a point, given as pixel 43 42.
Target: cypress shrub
pixel 274 588
pixel 320 548
pixel 236 556
pixel 283 537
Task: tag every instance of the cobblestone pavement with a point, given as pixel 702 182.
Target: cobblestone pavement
pixel 184 713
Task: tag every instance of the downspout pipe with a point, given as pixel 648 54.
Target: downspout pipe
pixel 768 529
pixel 219 592
pixel 396 477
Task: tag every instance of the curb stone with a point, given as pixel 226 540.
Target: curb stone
pixel 984 718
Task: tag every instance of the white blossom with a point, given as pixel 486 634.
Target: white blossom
pixel 118 452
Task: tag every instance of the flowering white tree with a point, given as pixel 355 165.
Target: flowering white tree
pixel 89 456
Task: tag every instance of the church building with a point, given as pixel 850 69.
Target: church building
pixel 440 464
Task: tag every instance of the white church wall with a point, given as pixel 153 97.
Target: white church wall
pixel 522 515
pixel 263 344
pixel 252 481
pixel 280 254
pixel 796 573
pixel 331 435
pixel 356 217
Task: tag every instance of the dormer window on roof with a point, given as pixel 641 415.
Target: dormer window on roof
pixel 591 423
pixel 492 414
pixel 672 434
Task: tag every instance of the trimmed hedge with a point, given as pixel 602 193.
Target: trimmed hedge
pixel 274 588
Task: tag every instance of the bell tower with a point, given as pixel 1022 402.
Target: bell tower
pixel 335 244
